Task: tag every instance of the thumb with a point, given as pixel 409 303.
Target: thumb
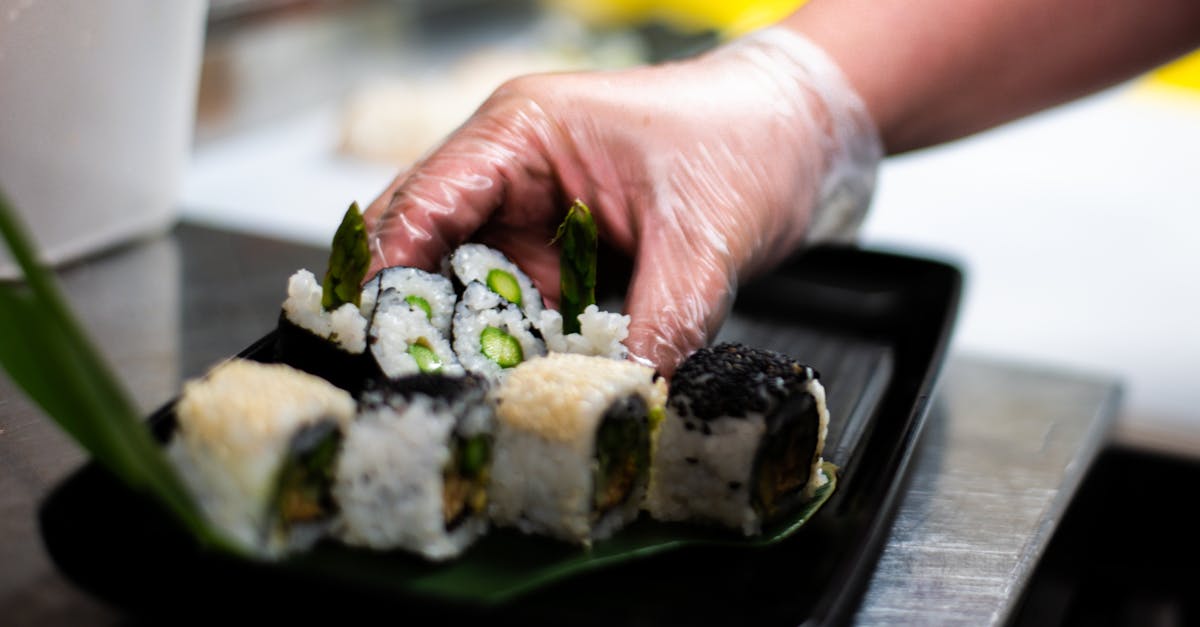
pixel 679 296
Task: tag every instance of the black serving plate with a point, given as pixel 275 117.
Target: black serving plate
pixel 875 324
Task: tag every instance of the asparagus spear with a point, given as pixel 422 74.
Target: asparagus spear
pixel 349 259
pixel 577 264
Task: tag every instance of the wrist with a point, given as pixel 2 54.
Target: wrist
pixel 845 133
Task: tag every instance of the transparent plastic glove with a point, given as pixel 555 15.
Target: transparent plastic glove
pixel 704 171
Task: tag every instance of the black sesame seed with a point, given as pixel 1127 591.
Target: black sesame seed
pixel 735 485
pixel 691 460
pixel 731 380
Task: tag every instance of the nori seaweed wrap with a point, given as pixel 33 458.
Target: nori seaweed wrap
pixel 415 466
pixel 256 445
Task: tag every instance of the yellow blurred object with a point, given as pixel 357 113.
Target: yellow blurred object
pixel 1184 72
pixel 728 17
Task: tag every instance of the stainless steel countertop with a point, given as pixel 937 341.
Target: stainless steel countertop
pixel 1004 448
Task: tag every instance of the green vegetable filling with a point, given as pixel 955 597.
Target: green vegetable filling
pixel 501 347
pixel 465 479
pixel 783 465
pixel 416 302
pixel 303 492
pixel 622 453
pixel 577 264
pixel 428 361
pixel 504 284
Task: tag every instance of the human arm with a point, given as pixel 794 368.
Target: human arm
pixel 935 71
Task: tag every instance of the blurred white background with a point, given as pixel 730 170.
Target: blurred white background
pixel 1079 231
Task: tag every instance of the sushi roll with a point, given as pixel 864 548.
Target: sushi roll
pixel 256 445
pixel 573 443
pixel 414 470
pixel 742 440
pixel 328 343
pixel 322 327
pixel 491 335
pixel 601 333
pixel 479 263
pixel 426 292
pixel 403 341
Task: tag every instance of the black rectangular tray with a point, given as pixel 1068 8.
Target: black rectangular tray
pixel 876 324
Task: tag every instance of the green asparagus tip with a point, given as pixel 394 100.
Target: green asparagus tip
pixel 577 264
pixel 349 258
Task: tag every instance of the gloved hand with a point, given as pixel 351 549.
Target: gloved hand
pixel 705 171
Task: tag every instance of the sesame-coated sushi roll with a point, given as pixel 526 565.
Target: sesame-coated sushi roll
pixel 742 440
pixel 256 444
pixel 573 441
pixel 414 470
pixel 477 262
pixel 491 335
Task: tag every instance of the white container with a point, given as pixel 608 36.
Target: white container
pixel 97 110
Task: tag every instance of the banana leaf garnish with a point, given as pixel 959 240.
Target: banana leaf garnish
pixel 48 355
pixel 349 258
pixel 577 264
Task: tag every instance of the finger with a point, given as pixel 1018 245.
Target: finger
pixel 374 210
pixel 438 204
pixel 681 292
pixel 496 158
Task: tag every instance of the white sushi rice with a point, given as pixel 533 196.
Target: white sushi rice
pixel 478 297
pixel 601 333
pixel 472 262
pixel 478 309
pixel 398 283
pixel 395 329
pixel 346 326
pixel 389 479
pixel 235 427
pixel 547 413
pixel 709 476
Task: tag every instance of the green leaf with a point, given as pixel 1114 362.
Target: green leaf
pixel 577 264
pixel 349 258
pixel 49 356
